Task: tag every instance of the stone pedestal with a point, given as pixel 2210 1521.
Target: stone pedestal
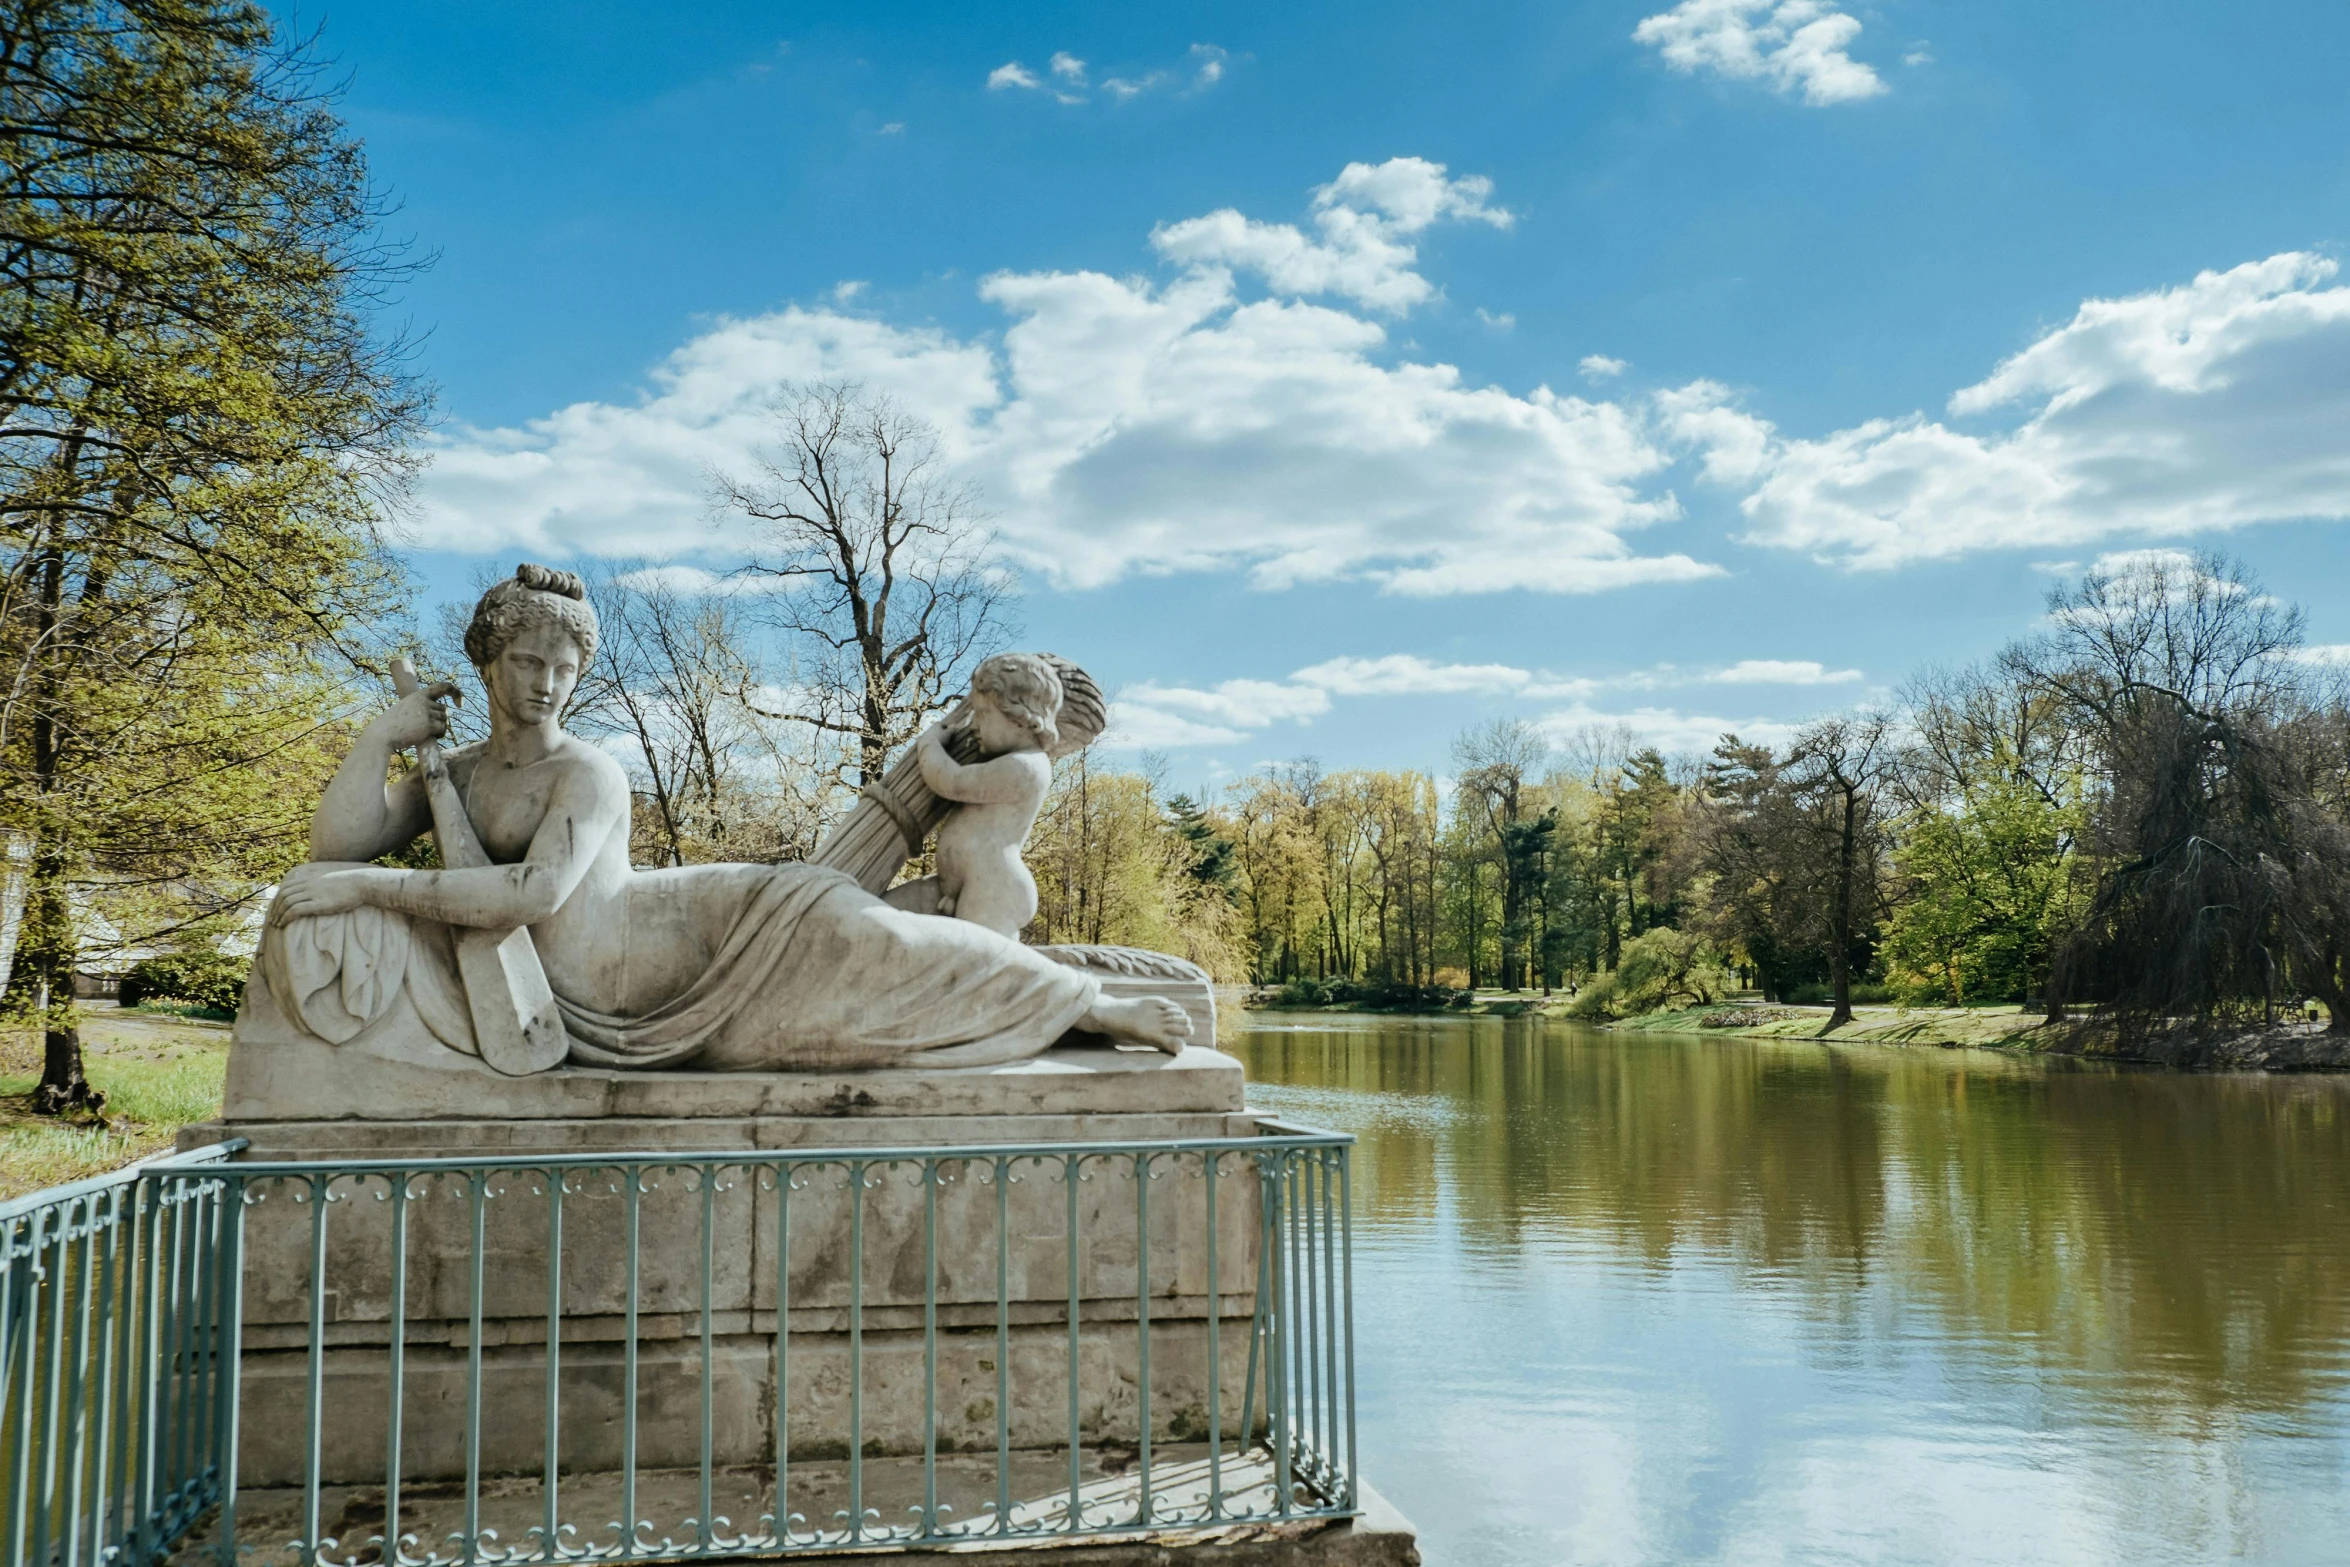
pixel 841 1262
pixel 389 1098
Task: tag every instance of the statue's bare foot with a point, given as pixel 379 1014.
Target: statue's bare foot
pixel 1144 1020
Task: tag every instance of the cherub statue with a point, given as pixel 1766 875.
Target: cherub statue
pixel 1013 712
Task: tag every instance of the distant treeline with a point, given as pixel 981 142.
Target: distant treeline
pixel 2144 809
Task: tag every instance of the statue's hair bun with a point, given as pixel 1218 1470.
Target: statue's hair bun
pixel 546 579
pixel 533 596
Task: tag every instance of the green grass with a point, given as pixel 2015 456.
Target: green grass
pixel 158 1072
pixel 188 1009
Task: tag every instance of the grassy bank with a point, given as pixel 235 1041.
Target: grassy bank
pixel 158 1072
pixel 2006 1027
pixel 2288 1047
pixel 2297 1046
pixel 1406 1003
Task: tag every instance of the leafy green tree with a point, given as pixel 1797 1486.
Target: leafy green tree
pixel 1112 865
pixel 198 433
pixel 1661 967
pixel 1985 897
pixel 1751 845
pixel 1992 801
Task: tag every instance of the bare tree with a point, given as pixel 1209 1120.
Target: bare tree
pixel 677 680
pixel 1837 772
pixel 879 562
pixel 2217 818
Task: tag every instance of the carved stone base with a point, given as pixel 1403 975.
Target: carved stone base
pixel 397 1071
pixel 392 1096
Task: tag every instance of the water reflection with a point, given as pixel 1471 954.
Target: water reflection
pixel 1645 1299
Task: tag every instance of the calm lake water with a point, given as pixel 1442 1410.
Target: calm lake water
pixel 1627 1299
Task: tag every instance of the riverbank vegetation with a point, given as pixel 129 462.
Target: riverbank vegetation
pixel 2135 823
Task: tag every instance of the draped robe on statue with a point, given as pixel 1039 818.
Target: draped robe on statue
pixel 814 973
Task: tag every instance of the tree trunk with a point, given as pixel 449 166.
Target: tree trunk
pixel 63 1088
pixel 2324 984
pixel 1840 951
pixel 48 925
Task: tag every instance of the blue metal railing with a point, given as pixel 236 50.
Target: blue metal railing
pixel 608 1357
pixel 111 1369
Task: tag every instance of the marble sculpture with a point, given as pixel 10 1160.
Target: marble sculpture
pixel 537 943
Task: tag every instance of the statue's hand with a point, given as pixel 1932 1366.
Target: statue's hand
pixel 418 717
pixel 335 892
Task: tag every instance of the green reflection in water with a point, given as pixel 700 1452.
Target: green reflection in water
pixel 2158 1254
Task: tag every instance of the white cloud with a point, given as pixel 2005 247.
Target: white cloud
pixel 2214 405
pixel 1125 87
pixel 1126 425
pixel 1781 672
pixel 1794 45
pixel 630 480
pixel 1069 79
pixel 1365 219
pixel 1599 367
pixel 688 580
pixel 893 128
pixel 1500 321
pixel 2333 655
pixel 1243 704
pixel 1133 728
pixel 2127 563
pixel 1150 716
pixel 1408 674
pixel 1735 447
pixel 1667 728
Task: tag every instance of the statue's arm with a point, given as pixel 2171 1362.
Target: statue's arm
pixel 589 800
pixel 361 817
pixel 1002 780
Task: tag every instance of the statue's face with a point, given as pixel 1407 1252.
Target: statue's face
pixel 533 678
pixel 998 731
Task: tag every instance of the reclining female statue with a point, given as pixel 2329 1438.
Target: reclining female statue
pixel 728 967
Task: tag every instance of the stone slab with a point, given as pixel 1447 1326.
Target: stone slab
pixel 745 1385
pixel 293 1080
pixel 1379 1536
pixel 375 1140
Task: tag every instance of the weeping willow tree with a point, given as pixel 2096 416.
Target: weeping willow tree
pixel 2217 828
pixel 198 433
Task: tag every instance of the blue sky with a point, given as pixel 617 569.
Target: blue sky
pixel 1343 375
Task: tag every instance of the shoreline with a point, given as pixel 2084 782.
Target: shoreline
pixel 2289 1047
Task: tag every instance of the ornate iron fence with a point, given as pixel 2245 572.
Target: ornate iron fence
pixel 616 1357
